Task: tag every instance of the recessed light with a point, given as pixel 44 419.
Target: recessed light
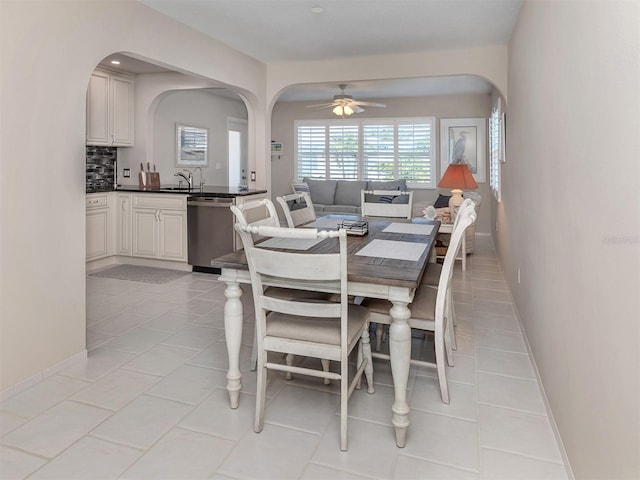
pixel 115 62
pixel 317 9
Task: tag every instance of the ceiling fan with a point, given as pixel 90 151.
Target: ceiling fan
pixel 345 105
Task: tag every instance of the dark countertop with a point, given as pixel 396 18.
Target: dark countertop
pixel 206 191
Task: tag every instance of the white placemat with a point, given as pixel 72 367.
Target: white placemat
pixel 324 222
pixel 291 243
pixel 413 228
pixel 393 249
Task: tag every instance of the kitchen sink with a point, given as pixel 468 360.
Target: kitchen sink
pixel 186 189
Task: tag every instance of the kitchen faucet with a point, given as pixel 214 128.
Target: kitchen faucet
pixel 189 178
pixel 201 184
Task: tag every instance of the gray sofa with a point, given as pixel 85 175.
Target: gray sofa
pixel 343 196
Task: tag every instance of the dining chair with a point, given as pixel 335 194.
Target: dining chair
pixel 429 310
pixel 263 212
pixel 323 329
pixel 294 212
pixel 379 203
pixel 431 278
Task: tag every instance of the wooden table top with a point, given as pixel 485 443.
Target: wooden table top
pixel 387 271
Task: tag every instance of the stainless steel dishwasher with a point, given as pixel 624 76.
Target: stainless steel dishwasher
pixel 210 230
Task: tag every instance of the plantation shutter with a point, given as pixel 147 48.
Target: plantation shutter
pixel 343 152
pixel 311 148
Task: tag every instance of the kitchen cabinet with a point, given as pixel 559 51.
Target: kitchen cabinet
pixel 123 228
pixel 99 241
pixel 110 109
pixel 159 226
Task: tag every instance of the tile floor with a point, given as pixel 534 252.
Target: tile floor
pixel 150 402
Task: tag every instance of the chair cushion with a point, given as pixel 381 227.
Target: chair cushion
pixel 322 191
pixel 313 329
pixel 423 306
pixel 348 192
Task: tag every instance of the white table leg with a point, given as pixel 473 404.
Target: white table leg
pixel 233 336
pixel 400 353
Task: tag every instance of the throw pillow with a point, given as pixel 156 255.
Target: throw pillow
pixel 442 201
pixel 299 187
pixel 388 198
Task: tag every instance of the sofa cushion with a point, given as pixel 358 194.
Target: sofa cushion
pixel 341 209
pixel 348 192
pixel 388 185
pixel 322 191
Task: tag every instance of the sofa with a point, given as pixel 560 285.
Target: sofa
pixel 343 196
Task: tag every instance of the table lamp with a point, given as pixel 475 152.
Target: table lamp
pixel 458 177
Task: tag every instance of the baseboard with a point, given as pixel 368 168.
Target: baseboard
pixel 547 405
pixel 47 372
pixel 143 262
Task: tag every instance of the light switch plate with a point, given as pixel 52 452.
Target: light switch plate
pixel 126 173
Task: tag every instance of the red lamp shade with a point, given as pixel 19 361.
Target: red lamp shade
pixel 458 176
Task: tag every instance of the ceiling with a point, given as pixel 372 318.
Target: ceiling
pixel 288 30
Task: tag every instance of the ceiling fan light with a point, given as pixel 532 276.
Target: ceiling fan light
pixel 347 110
pixel 338 110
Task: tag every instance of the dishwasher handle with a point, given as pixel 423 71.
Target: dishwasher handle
pixel 218 202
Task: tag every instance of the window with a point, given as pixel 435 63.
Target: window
pixel 496 143
pixel 368 149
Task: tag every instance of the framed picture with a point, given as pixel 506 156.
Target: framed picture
pixel 276 150
pixel 464 140
pixel 191 146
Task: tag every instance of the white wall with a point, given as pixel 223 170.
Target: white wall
pixel 197 108
pixel 445 106
pixel 570 220
pixel 48 51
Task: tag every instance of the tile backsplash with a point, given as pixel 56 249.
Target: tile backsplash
pixel 101 168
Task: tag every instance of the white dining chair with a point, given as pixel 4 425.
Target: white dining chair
pixel 430 310
pixel 298 208
pixel 379 203
pixel 329 330
pixel 431 276
pixel 263 212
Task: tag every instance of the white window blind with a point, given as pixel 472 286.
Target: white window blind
pixel 496 150
pixel 381 149
pixel 343 152
pixel 378 152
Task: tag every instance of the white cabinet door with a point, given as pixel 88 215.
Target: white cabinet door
pixel 98 130
pixel 97 236
pixel 145 233
pixel 172 235
pixel 123 227
pixel 122 108
pixel 110 110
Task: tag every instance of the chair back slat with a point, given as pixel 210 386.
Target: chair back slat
pixel 289 268
pixel 384 209
pixel 466 218
pixel 297 216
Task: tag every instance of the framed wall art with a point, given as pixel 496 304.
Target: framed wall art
pixel 464 140
pixel 191 146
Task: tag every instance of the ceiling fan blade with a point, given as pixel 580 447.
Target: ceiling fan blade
pixel 370 104
pixel 323 107
pixel 326 105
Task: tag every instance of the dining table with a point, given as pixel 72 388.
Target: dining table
pixel 387 262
